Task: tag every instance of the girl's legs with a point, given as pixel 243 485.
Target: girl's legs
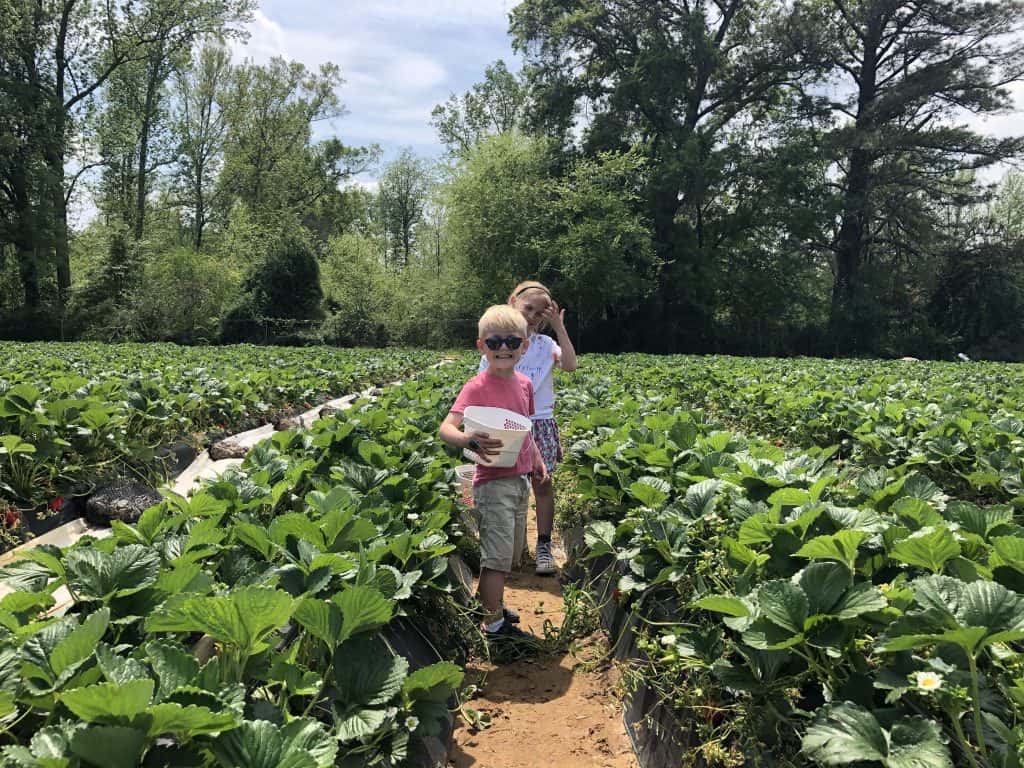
pixel 544 499
pixel 545 432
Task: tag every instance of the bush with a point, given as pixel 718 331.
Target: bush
pixel 183 296
pixel 280 296
pixel 357 293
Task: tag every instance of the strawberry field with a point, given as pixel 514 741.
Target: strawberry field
pixel 808 562
pixel 72 415
pixel 798 562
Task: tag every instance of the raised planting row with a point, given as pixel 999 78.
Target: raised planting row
pixel 961 424
pixel 71 414
pixel 259 623
pixel 785 607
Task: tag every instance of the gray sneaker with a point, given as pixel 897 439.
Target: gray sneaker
pixel 545 562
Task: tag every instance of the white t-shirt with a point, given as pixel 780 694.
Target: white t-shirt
pixel 539 365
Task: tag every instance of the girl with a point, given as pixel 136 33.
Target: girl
pixel 535 303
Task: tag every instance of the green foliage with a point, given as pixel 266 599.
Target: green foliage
pixel 756 573
pixel 70 413
pixel 283 286
pixel 303 680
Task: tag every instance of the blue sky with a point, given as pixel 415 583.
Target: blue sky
pixel 399 58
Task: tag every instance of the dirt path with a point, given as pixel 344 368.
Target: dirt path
pixel 557 711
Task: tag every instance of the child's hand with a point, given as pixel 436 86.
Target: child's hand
pixel 486 446
pixel 554 316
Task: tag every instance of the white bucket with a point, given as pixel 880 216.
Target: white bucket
pixel 499 424
pixel 465 473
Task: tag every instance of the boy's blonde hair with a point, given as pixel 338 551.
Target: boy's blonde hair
pixel 502 318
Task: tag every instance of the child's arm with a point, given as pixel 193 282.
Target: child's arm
pixel 486 446
pixel 556 318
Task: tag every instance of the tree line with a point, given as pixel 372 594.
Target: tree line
pixel 740 176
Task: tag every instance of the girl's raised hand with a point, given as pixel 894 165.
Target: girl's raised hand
pixel 554 315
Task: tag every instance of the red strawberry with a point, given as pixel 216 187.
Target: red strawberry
pixel 12 517
pixel 56 504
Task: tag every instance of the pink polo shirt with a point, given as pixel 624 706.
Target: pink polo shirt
pixel 514 393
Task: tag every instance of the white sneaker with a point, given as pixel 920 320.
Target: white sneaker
pixel 545 562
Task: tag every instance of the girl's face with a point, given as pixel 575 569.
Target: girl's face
pixel 532 304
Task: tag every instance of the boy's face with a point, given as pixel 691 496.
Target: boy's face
pixel 503 359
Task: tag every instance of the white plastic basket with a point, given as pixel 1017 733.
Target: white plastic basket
pixel 500 424
pixel 465 474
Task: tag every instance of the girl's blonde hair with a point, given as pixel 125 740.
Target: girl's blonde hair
pixel 527 287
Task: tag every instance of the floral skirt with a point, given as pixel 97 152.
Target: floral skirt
pixel 545 433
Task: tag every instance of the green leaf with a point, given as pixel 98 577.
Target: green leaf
pixel 109 745
pixel 650 491
pixel 358 723
pixel 433 683
pixel 841 546
pixel 930 550
pixel 362 609
pixel 259 744
pixel 784 604
pixel 119 669
pixel 848 733
pixel 321 618
pixel 730 606
pixel 243 618
pixel 600 537
pixel 700 497
pixel 80 643
pixel 109 701
pixel 174 667
pixel 95 575
pixel 990 605
pixel 917 743
pixel 187 721
pixel 309 736
pixel 860 599
pixel 366 673
pixel 789 497
pixel 298 526
pixel 845 734
pixel 823 583
pixel 976 520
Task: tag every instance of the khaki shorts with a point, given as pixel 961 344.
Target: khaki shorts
pixel 501 507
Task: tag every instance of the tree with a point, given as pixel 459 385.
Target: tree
pixel 69 49
pixel 270 161
pixel 673 79
pixel 511 217
pixel 498 212
pixel 24 220
pixel 280 294
pixel 402 197
pixel 496 105
pixel 200 127
pixel 908 72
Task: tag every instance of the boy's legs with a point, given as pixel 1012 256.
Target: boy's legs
pixel 500 504
pixel 491 589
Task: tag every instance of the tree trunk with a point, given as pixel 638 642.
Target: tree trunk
pixel 153 83
pixel 28 271
pixel 851 242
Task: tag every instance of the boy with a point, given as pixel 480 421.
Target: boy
pixel 500 494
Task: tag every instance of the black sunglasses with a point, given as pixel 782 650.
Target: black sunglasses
pixel 494 342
